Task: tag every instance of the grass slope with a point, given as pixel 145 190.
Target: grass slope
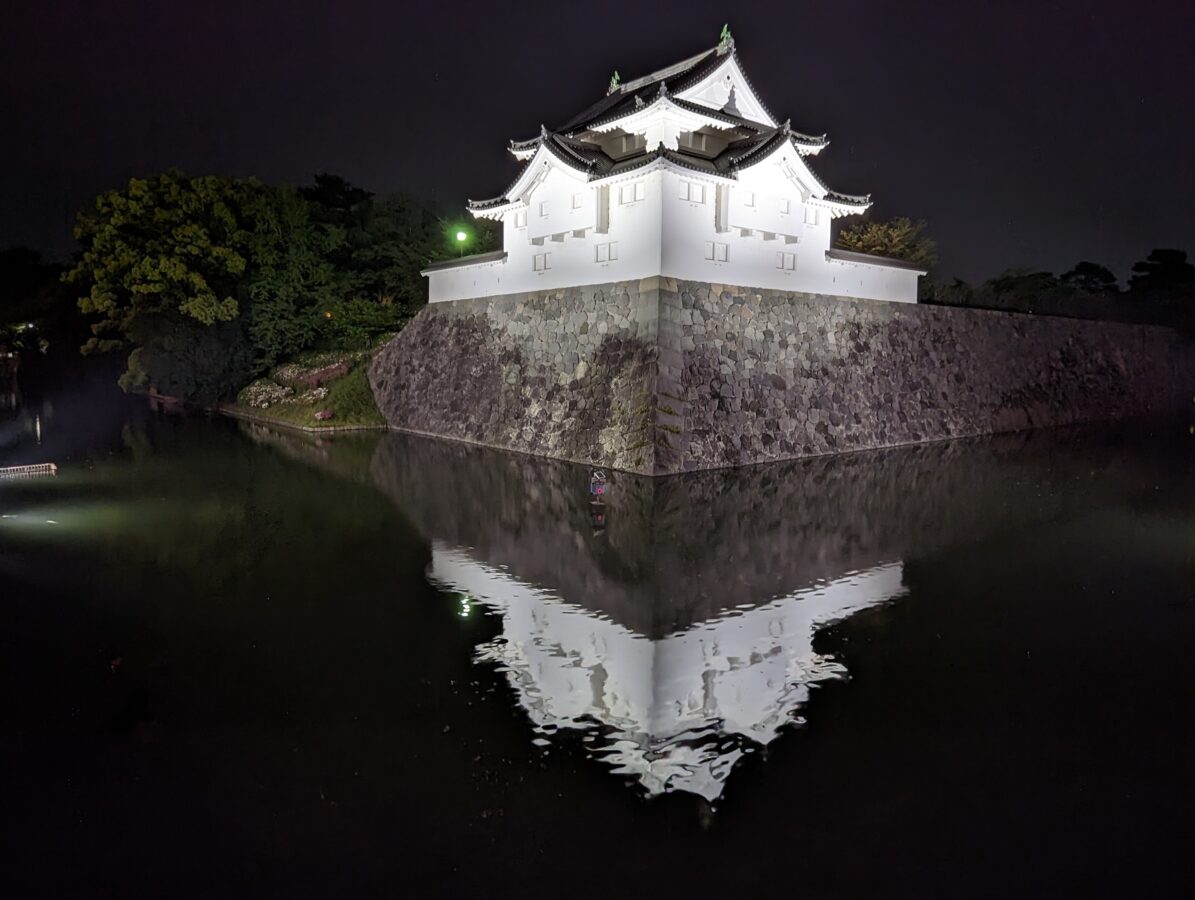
pixel 284 398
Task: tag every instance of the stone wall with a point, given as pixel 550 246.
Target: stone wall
pixel 568 374
pixel 663 376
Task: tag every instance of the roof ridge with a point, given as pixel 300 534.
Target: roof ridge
pixel 662 74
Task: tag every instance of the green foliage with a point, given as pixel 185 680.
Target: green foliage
pixel 400 236
pixel 349 398
pixel 899 238
pixel 292 280
pixel 352 399
pixel 355 323
pixel 387 242
pixel 165 245
pixel 172 252
pixel 285 270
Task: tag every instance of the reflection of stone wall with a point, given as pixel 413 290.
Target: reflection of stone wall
pixel 681 550
pixel 662 376
pixel 530 514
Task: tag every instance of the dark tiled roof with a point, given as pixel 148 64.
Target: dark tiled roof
pixel 634 95
pixel 848 199
pixel 867 259
pixel 645 89
pixel 591 159
pixel 673 79
pixel 518 146
pixel 630 163
pixel 488 203
pixel 719 114
pixel 694 162
pixel 746 152
pixel 474 259
pixel 580 155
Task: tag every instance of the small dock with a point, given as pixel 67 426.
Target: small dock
pixel 35 471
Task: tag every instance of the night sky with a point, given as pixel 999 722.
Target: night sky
pixel 1028 134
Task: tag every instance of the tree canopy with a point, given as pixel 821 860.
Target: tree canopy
pixel 172 252
pixel 899 238
pixel 1089 278
pixel 1164 272
pixel 176 267
pixel 1160 291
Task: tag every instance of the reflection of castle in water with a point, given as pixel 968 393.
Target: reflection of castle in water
pixel 681 634
pixel 677 711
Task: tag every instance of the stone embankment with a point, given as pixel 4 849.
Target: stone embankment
pixel 660 376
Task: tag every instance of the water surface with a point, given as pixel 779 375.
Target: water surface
pixel 237 661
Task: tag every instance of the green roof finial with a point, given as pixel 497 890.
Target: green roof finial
pixel 724 39
pixel 615 80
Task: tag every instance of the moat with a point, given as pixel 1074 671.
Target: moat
pixel 244 661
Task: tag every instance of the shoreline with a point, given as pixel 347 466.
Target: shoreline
pixel 234 412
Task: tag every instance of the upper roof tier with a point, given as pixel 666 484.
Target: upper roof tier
pixel 709 90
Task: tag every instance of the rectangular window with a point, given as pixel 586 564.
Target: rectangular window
pixel 716 251
pixel 785 206
pixel 786 260
pixel 749 198
pixel 810 215
pixel 520 218
pixel 692 191
pixel 605 252
pixel 541 261
pixel 629 193
pixel 576 201
pixel 543 209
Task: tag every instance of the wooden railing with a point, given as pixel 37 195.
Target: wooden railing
pixel 29 471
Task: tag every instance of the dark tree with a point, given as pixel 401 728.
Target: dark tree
pixel 35 307
pixel 1019 289
pixel 1165 274
pixel 337 200
pixel 1089 278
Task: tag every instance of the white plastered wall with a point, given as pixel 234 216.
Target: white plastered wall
pixel 664 234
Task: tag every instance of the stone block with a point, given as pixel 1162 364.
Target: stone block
pixel 585 373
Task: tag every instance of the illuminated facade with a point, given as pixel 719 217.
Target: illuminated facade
pixel 683 173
